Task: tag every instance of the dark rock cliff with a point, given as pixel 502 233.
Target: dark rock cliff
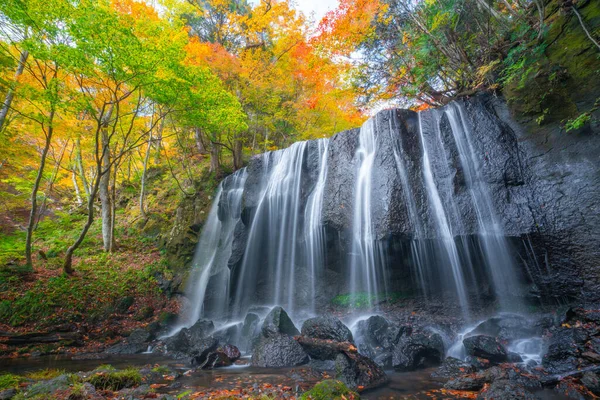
pixel 544 187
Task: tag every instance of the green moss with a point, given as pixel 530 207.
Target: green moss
pixel 115 380
pixel 365 300
pixel 161 369
pixel 328 390
pixel 105 368
pixel 10 381
pixel 556 80
pixel 44 374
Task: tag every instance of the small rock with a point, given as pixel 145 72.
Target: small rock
pixel 8 394
pixel 505 390
pixel 359 372
pixel 326 327
pixel 514 357
pixel 278 322
pixel 231 351
pixel 419 350
pixel 487 347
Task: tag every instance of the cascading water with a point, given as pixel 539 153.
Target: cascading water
pixel 366 265
pixel 277 220
pixel 214 248
pixel 443 226
pixel 274 216
pixel 314 232
pixel 496 250
pixel 285 238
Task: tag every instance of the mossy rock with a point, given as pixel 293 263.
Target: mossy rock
pixel 115 380
pixel 167 318
pixel 328 390
pixel 123 304
pixel 564 80
pixel 145 312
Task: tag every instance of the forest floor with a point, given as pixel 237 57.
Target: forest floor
pixel 43 311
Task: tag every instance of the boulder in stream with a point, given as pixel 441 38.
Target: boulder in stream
pixel 326 327
pixel 359 372
pixel 506 390
pixel 487 347
pixel 278 350
pixel 419 350
pixel 376 338
pixel 278 322
pixel 136 343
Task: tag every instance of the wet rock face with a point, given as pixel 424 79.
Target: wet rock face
pixel 278 322
pixel 452 367
pixel 359 372
pixel 278 351
pixel 487 347
pixel 506 390
pixel 326 327
pixel 377 337
pixel 509 327
pixel 419 350
pixel 542 185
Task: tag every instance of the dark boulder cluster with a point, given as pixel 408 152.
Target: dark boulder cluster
pixel 326 338
pixel 399 346
pixel 569 366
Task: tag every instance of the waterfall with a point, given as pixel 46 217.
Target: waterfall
pixel 314 231
pixel 443 226
pixel 495 247
pixel 273 259
pixel 214 248
pixel 407 202
pixel 366 267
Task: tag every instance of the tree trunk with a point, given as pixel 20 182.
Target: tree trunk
pixel 199 141
pixel 101 151
pixel 237 154
pixel 113 205
pixel 215 165
pixel 77 191
pixel 34 191
pixel 144 170
pixel 79 162
pixel 68 263
pixel 105 201
pixel 11 90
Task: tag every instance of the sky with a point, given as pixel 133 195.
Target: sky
pixel 319 7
